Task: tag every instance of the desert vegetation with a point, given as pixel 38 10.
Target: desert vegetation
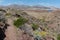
pixel 58 37
pixel 35 26
pixel 20 21
pixel 30 24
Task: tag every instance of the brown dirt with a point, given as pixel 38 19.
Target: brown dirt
pixel 11 32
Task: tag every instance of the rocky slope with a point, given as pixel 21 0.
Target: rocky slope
pixel 40 24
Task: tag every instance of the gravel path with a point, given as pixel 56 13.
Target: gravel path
pixel 11 32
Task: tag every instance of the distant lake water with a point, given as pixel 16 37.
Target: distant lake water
pixel 50 10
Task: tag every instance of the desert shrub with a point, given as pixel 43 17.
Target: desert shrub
pixel 58 37
pixel 7 14
pixel 35 26
pixel 42 20
pixel 20 21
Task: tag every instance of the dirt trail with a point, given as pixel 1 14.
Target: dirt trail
pixel 11 32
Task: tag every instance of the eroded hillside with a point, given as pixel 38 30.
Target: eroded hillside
pixel 30 25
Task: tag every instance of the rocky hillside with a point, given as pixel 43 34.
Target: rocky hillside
pixel 29 24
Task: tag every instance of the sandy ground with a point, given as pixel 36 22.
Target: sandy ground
pixel 40 15
pixel 11 32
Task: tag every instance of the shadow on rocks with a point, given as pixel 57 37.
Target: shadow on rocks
pixel 2 34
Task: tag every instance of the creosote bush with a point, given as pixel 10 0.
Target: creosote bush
pixel 8 14
pixel 42 20
pixel 35 26
pixel 20 21
pixel 58 37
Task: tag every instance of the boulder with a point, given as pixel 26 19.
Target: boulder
pixel 27 29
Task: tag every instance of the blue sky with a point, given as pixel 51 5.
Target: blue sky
pixel 55 3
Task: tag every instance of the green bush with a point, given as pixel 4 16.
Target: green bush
pixel 8 14
pixel 20 21
pixel 35 26
pixel 58 37
pixel 42 20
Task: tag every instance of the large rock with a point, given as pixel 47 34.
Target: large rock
pixel 27 28
pixel 22 36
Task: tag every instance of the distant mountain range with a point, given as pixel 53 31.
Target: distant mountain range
pixel 26 7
